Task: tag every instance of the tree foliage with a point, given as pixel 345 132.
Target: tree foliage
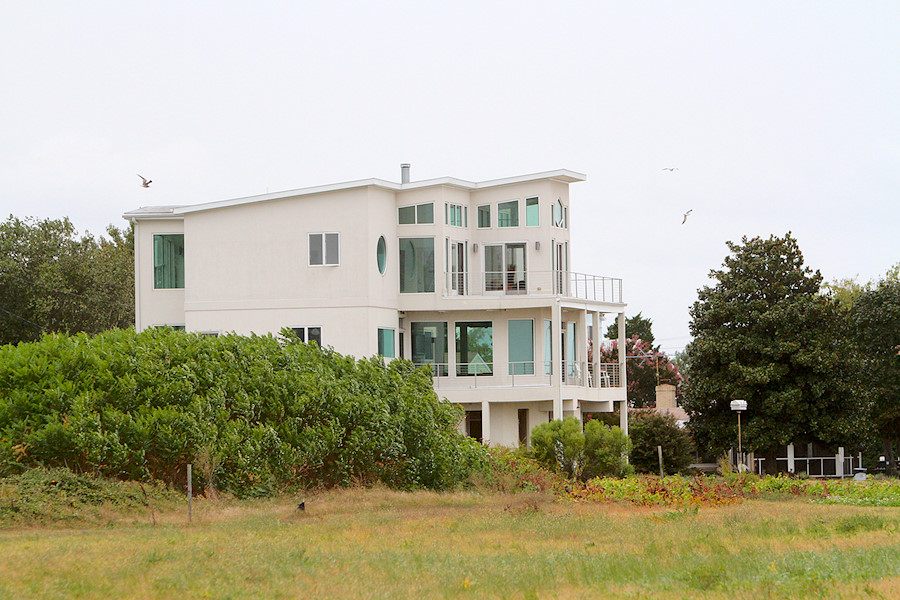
pixel 51 280
pixel 581 452
pixel 875 319
pixel 645 367
pixel 255 413
pixel 765 334
pixel 649 429
pixel 637 325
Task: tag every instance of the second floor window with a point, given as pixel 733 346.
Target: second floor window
pixel 416 214
pixel 168 261
pixel 456 215
pixel 508 214
pixel 416 265
pixel 324 249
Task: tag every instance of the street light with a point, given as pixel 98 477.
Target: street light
pixel 739 406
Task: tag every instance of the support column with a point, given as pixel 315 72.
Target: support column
pixel 790 456
pixel 623 377
pixel 556 335
pixel 486 422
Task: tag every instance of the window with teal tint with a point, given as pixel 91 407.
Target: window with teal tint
pixel 386 343
pixel 484 215
pixel 429 346
pixel 381 255
pixel 508 214
pixel 559 214
pixel 416 265
pixel 324 249
pixel 548 347
pixel 532 212
pixel 570 348
pixel 520 337
pixel 475 348
pixel 168 261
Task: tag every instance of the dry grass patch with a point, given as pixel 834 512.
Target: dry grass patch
pixel 378 543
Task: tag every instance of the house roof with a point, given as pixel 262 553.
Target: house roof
pixel 169 211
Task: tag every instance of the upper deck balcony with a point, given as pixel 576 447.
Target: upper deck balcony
pixel 519 282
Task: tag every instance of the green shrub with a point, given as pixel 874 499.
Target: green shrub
pixel 650 429
pixel 260 413
pixel 581 452
pixel 48 495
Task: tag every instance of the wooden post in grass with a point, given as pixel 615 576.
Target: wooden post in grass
pixel 662 473
pixel 190 491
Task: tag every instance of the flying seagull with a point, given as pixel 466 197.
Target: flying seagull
pixel 670 168
pixel 146 182
pixel 686 216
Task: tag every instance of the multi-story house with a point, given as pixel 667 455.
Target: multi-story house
pixel 471 278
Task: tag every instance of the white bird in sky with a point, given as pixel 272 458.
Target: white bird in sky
pixel 686 216
pixel 146 182
pixel 670 169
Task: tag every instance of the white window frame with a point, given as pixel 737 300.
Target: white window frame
pixel 324 245
pixel 306 329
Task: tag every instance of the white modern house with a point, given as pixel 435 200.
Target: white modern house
pixel 472 278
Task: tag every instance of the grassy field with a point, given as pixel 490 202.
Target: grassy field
pixel 375 543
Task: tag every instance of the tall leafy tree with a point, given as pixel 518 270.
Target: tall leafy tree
pixel 764 333
pixel 634 326
pixel 875 317
pixel 52 280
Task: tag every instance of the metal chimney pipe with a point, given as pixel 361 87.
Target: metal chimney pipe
pixel 404 173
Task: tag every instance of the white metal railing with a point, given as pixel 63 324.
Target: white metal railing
pixel 523 373
pixel 567 284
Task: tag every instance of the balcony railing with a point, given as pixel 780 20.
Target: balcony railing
pixel 522 374
pixel 567 284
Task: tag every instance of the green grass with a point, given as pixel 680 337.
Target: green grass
pixel 376 543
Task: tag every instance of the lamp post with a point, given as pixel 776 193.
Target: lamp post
pixel 739 406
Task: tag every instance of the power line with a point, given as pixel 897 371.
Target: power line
pixel 23 319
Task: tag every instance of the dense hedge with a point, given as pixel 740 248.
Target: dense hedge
pixel 254 414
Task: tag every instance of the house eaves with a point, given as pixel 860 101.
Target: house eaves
pixel 161 212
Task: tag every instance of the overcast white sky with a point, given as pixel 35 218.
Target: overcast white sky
pixel 780 116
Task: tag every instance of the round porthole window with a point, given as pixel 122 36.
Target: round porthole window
pixel 381 255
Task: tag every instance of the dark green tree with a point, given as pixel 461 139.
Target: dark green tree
pixel 764 333
pixel 649 429
pixel 875 318
pixel 634 326
pixel 52 280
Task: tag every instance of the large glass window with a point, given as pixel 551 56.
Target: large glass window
pixel 475 348
pixel 508 214
pixel 521 347
pixel 484 215
pixel 324 249
pixel 429 346
pixel 416 265
pixel 381 255
pixel 168 261
pixel 532 212
pixel 417 213
pixel 386 343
